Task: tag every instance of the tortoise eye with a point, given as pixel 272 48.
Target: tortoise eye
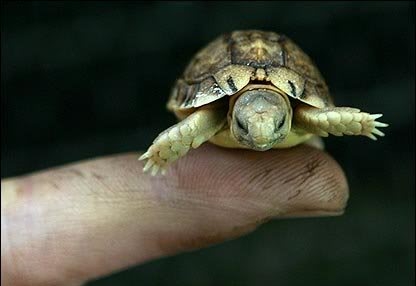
pixel 281 123
pixel 241 125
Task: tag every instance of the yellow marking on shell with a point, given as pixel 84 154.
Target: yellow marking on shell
pixel 236 75
pixel 260 74
pixel 260 52
pixel 286 79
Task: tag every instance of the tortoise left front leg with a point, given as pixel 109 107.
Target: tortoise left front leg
pixel 338 121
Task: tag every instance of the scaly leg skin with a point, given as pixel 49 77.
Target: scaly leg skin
pixel 338 121
pixel 176 141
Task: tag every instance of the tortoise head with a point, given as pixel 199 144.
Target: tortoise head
pixel 260 119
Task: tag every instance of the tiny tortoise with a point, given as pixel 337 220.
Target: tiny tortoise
pixel 256 90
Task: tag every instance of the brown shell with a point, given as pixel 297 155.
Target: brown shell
pixel 232 61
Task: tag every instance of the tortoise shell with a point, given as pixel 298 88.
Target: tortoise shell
pixel 234 60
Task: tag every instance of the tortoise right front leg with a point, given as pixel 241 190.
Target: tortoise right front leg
pixel 176 141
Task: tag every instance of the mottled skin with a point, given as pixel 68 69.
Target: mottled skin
pixel 256 90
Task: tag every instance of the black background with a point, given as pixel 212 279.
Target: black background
pixel 80 80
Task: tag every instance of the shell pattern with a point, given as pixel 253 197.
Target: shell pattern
pixel 234 60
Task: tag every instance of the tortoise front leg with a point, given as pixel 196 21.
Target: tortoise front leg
pixel 338 121
pixel 176 141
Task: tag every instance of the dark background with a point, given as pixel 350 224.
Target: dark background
pixel 80 80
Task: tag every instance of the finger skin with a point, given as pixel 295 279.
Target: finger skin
pixel 85 220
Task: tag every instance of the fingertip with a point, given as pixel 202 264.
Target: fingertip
pixel 299 181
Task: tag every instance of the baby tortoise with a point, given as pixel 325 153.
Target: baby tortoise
pixel 256 90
